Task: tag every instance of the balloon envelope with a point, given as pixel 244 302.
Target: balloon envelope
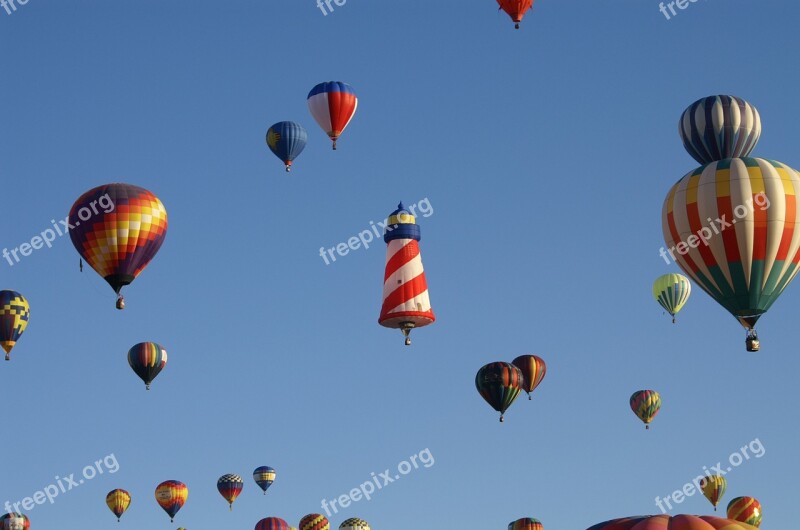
pixel 714 488
pixel 118 229
pixel 272 523
pixel 672 291
pixel 332 105
pixel 230 486
pixel 516 9
pixel 118 501
pixel 315 521
pixel 147 359
pixel 14 315
pixel 171 495
pixel 646 404
pixel 719 127
pixel 14 521
pixel 354 524
pixel 533 370
pixel 733 227
pixel 499 383
pixel 677 522
pixel 526 523
pixel 746 510
pixel 287 139
pixel 264 477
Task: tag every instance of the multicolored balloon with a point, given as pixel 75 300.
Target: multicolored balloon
pixel 118 229
pixel 118 501
pixel 533 371
pixel 719 127
pixel 264 477
pixel 14 521
pixel 516 9
pixel 332 104
pixel 526 523
pixel 315 521
pixel 287 139
pixel 672 291
pixel 171 495
pixel 646 404
pixel 499 383
pixel 733 227
pixel 230 486
pixel 714 488
pixel 147 359
pixel 677 522
pixel 354 523
pixel 14 315
pixel 746 510
pixel 272 523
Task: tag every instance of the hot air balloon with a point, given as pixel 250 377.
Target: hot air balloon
pixel 272 523
pixel 526 523
pixel 122 236
pixel 646 404
pixel 406 303
pixel 719 127
pixel 516 9
pixel 354 524
pixel 672 291
pixel 147 359
pixel 230 486
pixel 746 510
pixel 499 383
pixel 733 224
pixel 287 140
pixel 118 501
pixel 14 315
pixel 315 521
pixel 735 228
pixel 14 521
pixel 714 488
pixel 677 522
pixel 171 495
pixel 264 477
pixel 332 104
pixel 533 371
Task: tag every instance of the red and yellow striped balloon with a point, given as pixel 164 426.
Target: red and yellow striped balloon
pixel 533 371
pixel 171 495
pixel 315 521
pixel 118 501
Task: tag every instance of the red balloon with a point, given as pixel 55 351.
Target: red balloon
pixel 516 9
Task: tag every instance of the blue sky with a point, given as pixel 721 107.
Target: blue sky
pixel 545 154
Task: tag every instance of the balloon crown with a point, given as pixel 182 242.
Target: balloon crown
pixel 719 127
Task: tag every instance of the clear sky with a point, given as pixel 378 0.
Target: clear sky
pixel 545 154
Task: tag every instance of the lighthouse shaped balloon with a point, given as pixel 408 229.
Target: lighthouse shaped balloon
pixel 733 224
pixel 406 304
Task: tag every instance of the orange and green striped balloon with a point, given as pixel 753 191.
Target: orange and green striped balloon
pixel 526 523
pixel 745 510
pixel 499 383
